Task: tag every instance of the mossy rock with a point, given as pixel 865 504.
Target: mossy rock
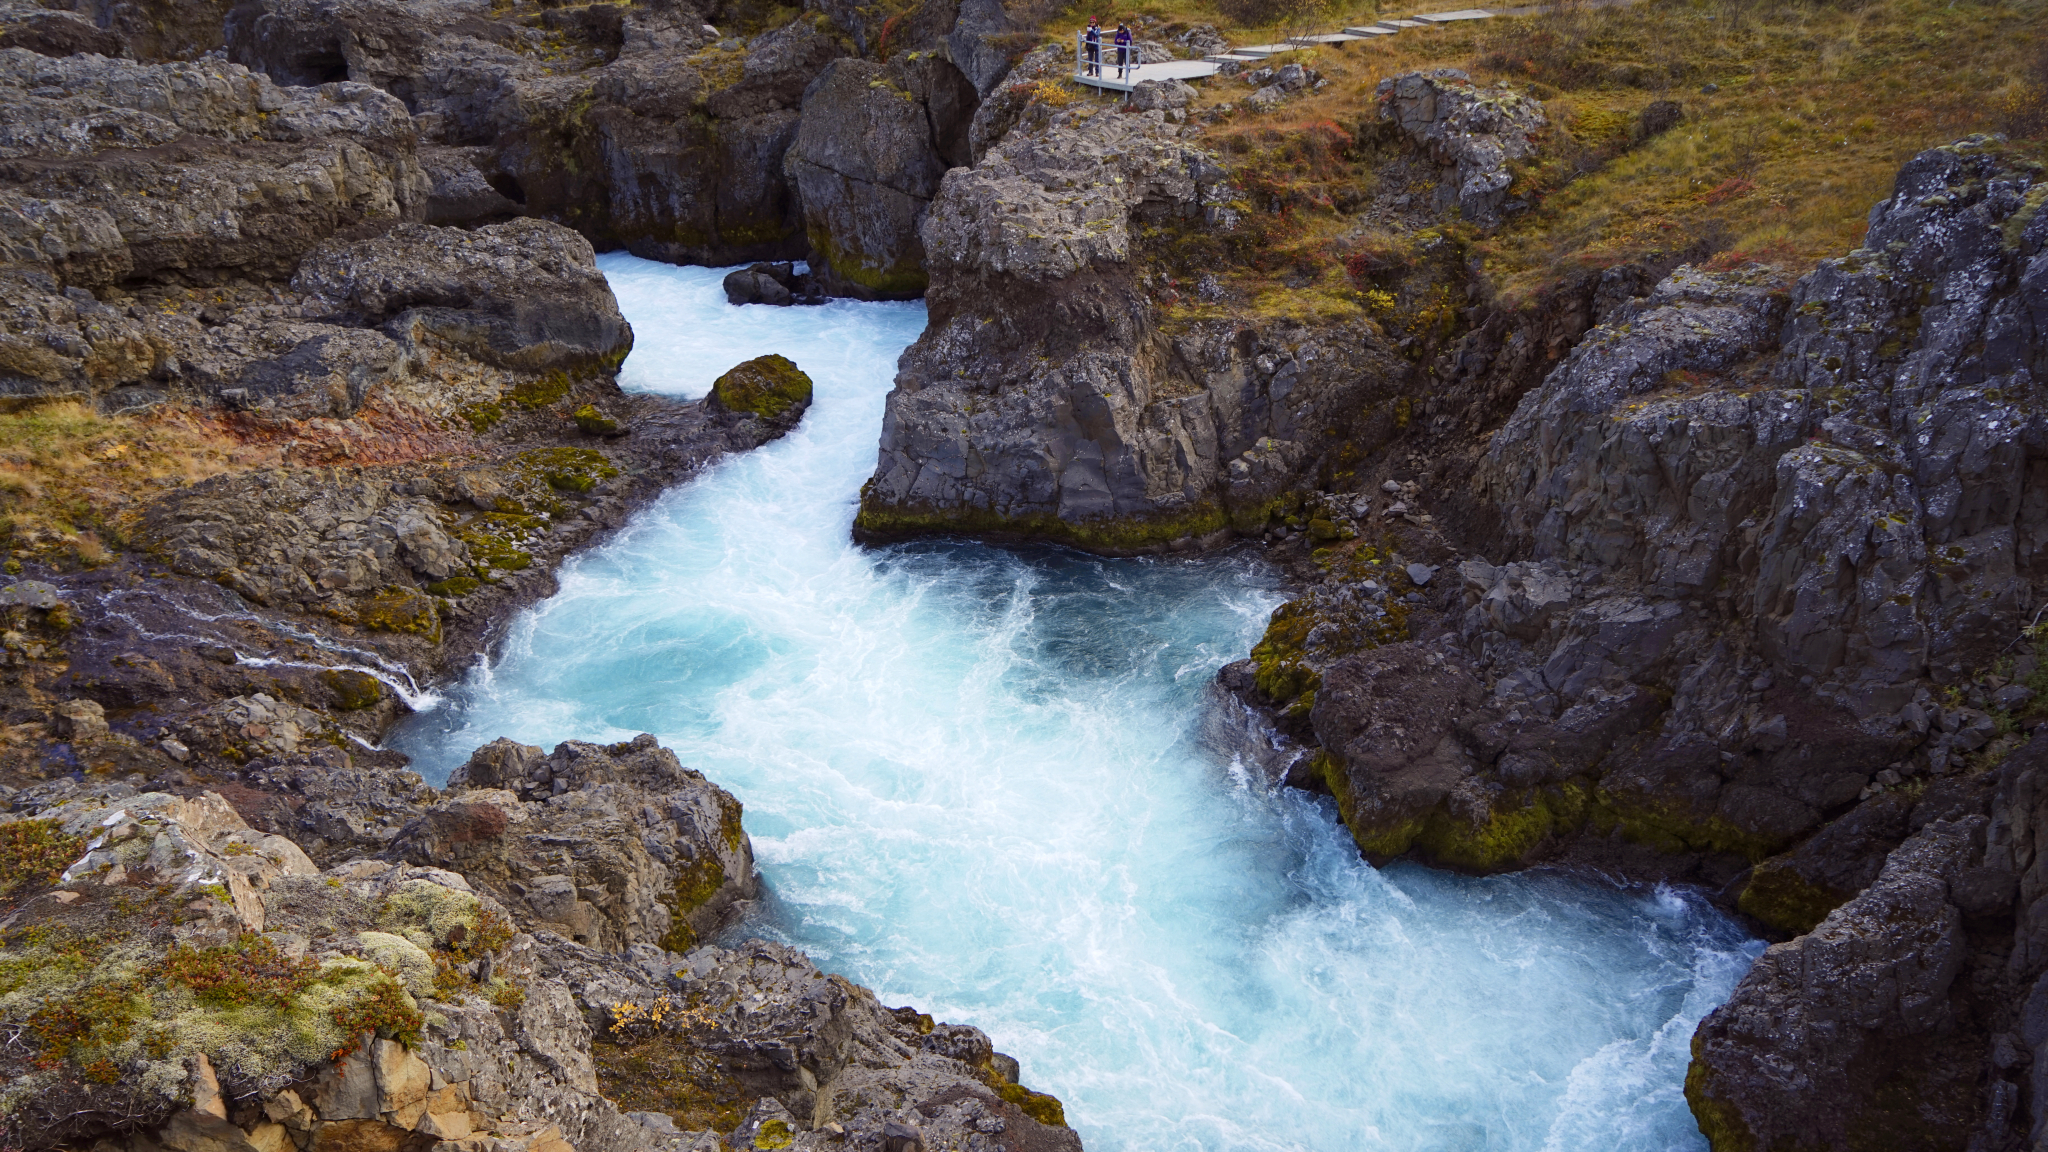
pixel 353 690
pixel 481 417
pixel 698 880
pixel 879 523
pixel 540 391
pixel 594 422
pixel 575 470
pixel 456 587
pixel 401 609
pixel 766 386
pixel 1040 1106
pixel 1779 896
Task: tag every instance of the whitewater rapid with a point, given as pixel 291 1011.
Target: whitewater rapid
pixel 973 784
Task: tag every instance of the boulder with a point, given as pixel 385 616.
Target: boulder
pixel 1848 1035
pixel 1155 95
pixel 525 294
pixel 753 286
pixel 769 389
pixel 607 845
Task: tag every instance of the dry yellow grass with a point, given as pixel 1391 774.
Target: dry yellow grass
pixel 72 481
pixel 1797 117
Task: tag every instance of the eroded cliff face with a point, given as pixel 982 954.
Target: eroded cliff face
pixel 514 970
pixel 644 126
pixel 1053 397
pixel 1045 400
pixel 1755 567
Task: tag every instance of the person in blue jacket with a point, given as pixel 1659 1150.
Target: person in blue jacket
pixel 1126 55
pixel 1093 43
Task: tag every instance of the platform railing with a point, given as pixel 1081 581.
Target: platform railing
pixel 1111 62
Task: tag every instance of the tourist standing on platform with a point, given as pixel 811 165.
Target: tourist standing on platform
pixel 1092 46
pixel 1125 54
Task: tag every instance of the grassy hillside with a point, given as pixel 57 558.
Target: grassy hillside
pixel 1796 117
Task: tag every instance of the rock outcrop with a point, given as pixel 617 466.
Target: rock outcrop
pixel 1759 621
pixel 410 424
pixel 873 145
pixel 205 985
pixel 609 846
pixel 1044 401
pixel 1471 134
pixel 1754 559
pixel 1853 1035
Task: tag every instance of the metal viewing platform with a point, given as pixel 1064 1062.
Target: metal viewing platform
pixel 1117 73
pixel 1113 76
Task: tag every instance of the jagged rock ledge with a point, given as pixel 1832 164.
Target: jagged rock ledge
pixel 1768 563
pixel 516 968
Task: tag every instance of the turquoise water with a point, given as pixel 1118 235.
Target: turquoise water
pixel 973 784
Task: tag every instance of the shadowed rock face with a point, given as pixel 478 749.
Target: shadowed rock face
pixel 873 145
pixel 632 124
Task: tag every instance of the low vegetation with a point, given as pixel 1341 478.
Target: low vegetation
pixel 1724 130
pixel 72 481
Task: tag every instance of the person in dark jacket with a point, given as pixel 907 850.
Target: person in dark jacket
pixel 1092 44
pixel 1126 55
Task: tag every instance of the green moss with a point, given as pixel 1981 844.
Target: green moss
pixel 1780 897
pixel 481 417
pixel 1720 1122
pixel 1281 675
pixel 880 524
pixel 353 690
pixel 1514 827
pixel 456 587
pixel 494 540
pixel 401 609
pixel 566 469
pixel 902 279
pixel 1044 1108
pixel 1668 827
pixel 594 422
pixel 540 391
pixel 773 1134
pixel 697 881
pixel 766 386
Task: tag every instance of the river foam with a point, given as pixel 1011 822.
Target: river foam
pixel 973 784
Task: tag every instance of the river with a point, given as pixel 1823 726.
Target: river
pixel 973 784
